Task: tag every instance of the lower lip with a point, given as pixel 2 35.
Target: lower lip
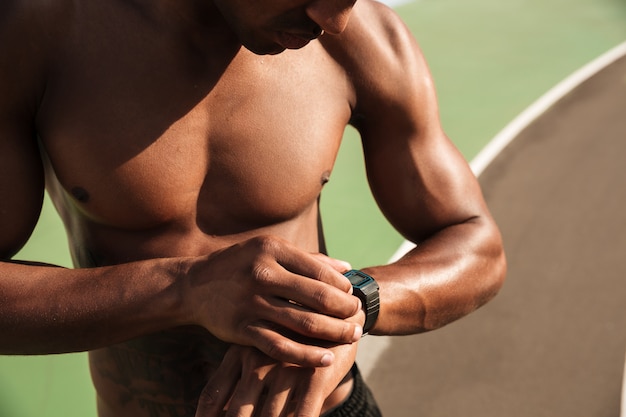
pixel 290 41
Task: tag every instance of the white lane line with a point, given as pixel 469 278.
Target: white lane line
pixel 371 347
pixel 502 139
pixel 623 413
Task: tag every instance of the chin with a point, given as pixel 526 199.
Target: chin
pixel 265 50
pixel 259 44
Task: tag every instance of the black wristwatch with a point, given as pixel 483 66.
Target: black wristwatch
pixel 366 288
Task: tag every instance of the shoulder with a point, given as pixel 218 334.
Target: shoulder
pixel 34 25
pixel 29 33
pixel 381 58
pixel 376 27
pixel 34 16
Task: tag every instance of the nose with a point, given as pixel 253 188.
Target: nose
pixel 331 15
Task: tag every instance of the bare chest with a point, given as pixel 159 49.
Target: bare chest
pixel 135 142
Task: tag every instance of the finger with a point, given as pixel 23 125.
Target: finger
pixel 337 264
pixel 278 402
pixel 309 404
pixel 218 390
pixel 212 401
pixel 334 276
pixel 316 266
pixel 315 295
pixel 246 397
pixel 327 270
pixel 268 340
pixel 311 324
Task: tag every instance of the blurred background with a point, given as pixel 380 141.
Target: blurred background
pixel 490 60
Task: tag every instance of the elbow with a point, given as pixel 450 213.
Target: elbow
pixel 501 268
pixel 494 273
pixel 498 277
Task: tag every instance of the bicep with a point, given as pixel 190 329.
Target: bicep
pixel 419 179
pixel 21 83
pixel 21 189
pixel 421 182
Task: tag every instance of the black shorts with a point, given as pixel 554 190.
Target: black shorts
pixel 360 403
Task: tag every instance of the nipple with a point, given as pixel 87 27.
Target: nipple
pixel 325 177
pixel 80 194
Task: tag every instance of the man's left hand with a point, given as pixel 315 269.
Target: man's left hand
pixel 249 383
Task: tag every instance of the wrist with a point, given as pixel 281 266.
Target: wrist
pixel 365 288
pixel 177 293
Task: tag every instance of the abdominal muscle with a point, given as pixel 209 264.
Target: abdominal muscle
pixel 163 374
pixel 157 375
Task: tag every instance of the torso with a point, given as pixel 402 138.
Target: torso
pixel 159 147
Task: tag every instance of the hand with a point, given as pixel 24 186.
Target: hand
pixel 249 383
pixel 265 292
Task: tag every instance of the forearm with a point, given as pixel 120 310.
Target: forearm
pixel 441 280
pixel 46 309
pixel 238 294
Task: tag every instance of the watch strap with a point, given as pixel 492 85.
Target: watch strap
pixel 366 289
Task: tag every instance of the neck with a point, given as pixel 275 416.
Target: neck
pixel 200 19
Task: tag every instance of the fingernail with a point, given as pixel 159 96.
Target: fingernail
pixel 327 359
pixel 358 332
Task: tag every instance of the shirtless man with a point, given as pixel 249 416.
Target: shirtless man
pixel 187 170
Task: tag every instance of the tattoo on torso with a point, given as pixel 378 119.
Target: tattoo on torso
pixel 163 373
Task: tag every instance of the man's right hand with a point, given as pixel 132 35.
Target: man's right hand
pixel 267 293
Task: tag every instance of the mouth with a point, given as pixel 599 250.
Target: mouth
pixel 292 41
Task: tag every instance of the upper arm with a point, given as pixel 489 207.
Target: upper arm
pixel 419 179
pixel 21 172
pixel 21 187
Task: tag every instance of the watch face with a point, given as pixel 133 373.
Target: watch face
pixel 358 278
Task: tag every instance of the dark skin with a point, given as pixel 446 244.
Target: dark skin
pixel 188 169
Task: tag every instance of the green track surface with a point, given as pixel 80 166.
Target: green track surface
pixel 490 60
